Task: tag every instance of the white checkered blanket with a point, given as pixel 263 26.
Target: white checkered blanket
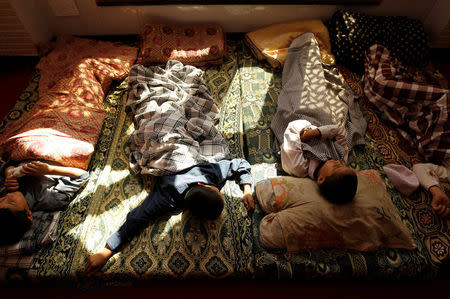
pixel 174 115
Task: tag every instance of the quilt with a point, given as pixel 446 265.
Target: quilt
pixel 307 86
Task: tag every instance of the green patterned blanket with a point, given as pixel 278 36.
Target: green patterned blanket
pixel 182 247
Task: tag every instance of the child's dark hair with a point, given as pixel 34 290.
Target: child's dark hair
pixel 13 225
pixel 204 202
pixel 339 188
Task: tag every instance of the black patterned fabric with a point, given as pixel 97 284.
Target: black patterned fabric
pixel 352 33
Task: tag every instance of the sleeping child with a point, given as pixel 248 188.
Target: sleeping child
pixel 317 122
pixel 176 142
pixel 33 186
pixel 196 189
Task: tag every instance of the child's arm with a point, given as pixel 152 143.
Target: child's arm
pixel 249 203
pixel 96 261
pixel 292 159
pixel 40 168
pixel 240 171
pixel 430 174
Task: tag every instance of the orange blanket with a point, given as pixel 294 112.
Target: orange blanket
pixel 65 123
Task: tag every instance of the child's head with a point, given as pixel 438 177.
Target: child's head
pixel 204 201
pixel 15 217
pixel 337 182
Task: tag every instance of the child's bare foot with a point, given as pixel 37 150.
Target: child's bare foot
pixel 440 202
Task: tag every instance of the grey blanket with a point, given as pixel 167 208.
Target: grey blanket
pixel 174 115
pixel 317 93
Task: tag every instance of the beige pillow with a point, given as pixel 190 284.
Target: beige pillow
pixel 272 42
pixel 300 218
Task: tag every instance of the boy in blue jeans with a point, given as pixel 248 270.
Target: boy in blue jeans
pixel 196 189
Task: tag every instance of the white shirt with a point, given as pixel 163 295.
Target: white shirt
pixel 292 159
pixel 430 175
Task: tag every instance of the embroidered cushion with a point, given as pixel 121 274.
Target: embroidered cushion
pixel 196 45
pixel 299 218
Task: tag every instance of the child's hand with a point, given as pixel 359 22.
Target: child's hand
pixel 440 202
pixel 247 198
pixel 97 261
pixel 308 134
pixel 11 183
pixel 36 168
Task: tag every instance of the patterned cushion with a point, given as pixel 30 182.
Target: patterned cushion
pixel 352 33
pixel 300 218
pixel 272 42
pixel 64 125
pixel 190 44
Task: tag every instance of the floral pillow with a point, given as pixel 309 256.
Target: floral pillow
pixel 272 42
pixel 196 45
pixel 299 218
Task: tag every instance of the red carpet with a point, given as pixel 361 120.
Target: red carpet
pixel 15 75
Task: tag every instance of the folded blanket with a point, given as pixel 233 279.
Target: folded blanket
pixel 418 111
pixel 174 118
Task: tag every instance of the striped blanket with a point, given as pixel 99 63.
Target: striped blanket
pixel 419 111
pixel 174 115
pixel 318 94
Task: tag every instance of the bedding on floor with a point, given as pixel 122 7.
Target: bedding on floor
pixel 174 117
pixel 64 124
pixel 180 247
pixel 352 33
